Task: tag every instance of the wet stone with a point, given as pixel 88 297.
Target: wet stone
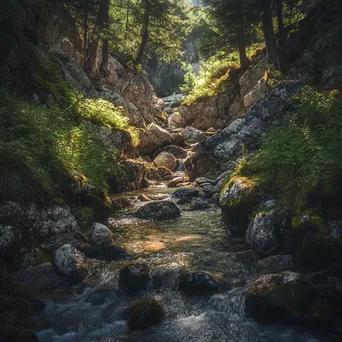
pixel 186 193
pixel 158 211
pixel 105 253
pixel 144 313
pixel 134 277
pixel 197 284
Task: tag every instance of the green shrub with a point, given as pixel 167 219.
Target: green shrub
pixel 41 148
pixel 214 76
pixel 303 158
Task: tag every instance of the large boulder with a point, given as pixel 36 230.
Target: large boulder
pixel 237 201
pixel 42 223
pixel 101 235
pixel 276 297
pixel 41 278
pixel 263 233
pixel 167 160
pixel 152 138
pixel 193 135
pixel 214 155
pixel 134 277
pixel 158 211
pixel 144 313
pixel 68 261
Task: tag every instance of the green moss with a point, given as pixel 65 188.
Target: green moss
pixel 42 148
pixel 44 258
pixel 84 216
pixel 309 220
pixel 301 161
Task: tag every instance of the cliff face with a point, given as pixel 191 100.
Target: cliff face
pixel 310 55
pixel 58 38
pixel 243 89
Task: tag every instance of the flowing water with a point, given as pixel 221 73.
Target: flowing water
pixel 196 241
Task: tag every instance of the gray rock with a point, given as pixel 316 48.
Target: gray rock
pixel 222 176
pixel 193 135
pixel 159 210
pixel 217 152
pixel 186 192
pixel 42 222
pixel 199 205
pixel 31 259
pixel 152 138
pixel 40 278
pixel 178 152
pixel 262 233
pixel 209 190
pixel 335 229
pixel 198 283
pixel 101 235
pixel 8 238
pixel 68 261
pixel 277 263
pixel 202 180
pixel 167 160
pixel 274 297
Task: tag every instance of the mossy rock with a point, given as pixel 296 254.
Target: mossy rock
pixel 238 199
pixel 309 221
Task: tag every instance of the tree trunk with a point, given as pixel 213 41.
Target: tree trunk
pixel 104 63
pixel 126 25
pixel 144 32
pixel 85 34
pixel 267 23
pixel 280 17
pixel 92 55
pixel 244 61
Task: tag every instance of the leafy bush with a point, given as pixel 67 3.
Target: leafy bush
pixel 303 159
pixel 214 76
pixel 41 147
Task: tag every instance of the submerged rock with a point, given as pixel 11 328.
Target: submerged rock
pixel 276 297
pixel 197 283
pixel 101 235
pixel 70 262
pixel 158 211
pixel 134 277
pixel 144 313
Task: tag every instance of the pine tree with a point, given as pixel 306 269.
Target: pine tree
pixel 234 21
